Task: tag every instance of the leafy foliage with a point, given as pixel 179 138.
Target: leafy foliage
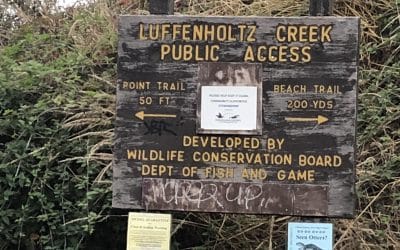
pixel 51 101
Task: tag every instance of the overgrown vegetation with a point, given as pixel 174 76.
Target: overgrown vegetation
pixel 57 76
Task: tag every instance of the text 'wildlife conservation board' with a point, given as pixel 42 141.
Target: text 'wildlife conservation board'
pixel 234 114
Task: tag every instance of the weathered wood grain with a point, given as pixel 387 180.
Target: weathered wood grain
pixel 333 63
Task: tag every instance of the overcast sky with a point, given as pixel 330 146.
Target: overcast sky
pixel 69 3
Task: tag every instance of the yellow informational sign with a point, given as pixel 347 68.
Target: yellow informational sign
pixel 148 231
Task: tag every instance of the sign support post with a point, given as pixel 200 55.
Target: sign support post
pixel 321 7
pixel 317 8
pixel 161 7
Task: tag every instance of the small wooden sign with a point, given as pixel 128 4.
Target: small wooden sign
pixel 289 85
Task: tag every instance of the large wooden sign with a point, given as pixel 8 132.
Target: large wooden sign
pixel 241 115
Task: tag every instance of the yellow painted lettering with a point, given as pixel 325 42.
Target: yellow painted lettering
pixel 279 33
pixel 165 50
pixel 249 54
pixel 141 32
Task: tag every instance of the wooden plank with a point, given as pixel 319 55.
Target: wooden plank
pixel 243 197
pixel 160 7
pixel 321 7
pixel 308 108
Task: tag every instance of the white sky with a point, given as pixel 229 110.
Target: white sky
pixel 61 4
pixel 69 3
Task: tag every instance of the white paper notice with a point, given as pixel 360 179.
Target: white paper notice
pixel 228 107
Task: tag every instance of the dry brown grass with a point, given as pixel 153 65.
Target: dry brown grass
pixel 377 224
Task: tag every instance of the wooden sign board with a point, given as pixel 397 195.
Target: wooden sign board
pixel 299 158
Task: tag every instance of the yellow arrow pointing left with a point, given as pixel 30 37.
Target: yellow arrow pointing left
pixel 141 115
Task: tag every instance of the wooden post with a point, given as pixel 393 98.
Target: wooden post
pixel 161 7
pixel 321 7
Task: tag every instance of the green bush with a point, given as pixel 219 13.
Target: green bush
pixel 54 138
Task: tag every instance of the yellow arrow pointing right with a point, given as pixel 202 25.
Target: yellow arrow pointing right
pixel 320 119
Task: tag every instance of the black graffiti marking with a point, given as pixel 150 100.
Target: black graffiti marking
pixel 181 121
pixel 158 127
